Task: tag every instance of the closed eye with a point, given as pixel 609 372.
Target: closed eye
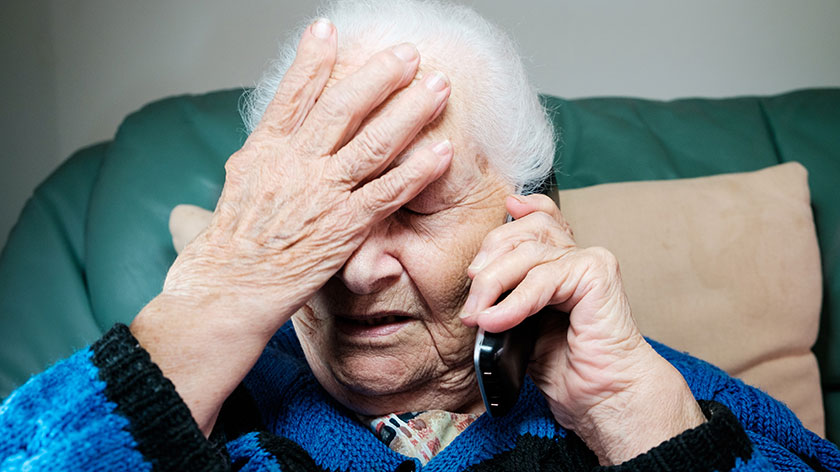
pixel 409 212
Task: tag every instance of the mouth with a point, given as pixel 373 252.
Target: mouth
pixel 372 325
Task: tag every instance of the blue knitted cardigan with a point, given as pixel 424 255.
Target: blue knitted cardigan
pixel 108 407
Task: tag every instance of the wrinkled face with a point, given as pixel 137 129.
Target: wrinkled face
pixel 383 335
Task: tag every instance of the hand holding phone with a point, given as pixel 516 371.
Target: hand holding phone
pixel 501 360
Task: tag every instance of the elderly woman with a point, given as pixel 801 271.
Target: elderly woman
pixel 367 207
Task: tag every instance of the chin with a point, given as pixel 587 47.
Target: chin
pixel 375 376
pixel 375 386
pixel 395 375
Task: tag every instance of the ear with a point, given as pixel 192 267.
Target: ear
pixel 185 223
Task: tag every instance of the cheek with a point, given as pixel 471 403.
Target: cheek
pixel 311 332
pixel 307 324
pixel 438 268
pixel 437 265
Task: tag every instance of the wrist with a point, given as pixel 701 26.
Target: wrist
pixel 650 411
pixel 204 350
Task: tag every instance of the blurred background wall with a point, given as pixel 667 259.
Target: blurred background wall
pixel 70 70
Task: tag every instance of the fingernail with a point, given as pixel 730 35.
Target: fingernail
pixel 322 28
pixel 406 52
pixel 478 262
pixel 443 148
pixel 435 81
pixel 465 315
pixel 519 198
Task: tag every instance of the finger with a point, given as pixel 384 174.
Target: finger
pixel 384 137
pixel 342 107
pixel 500 275
pixel 304 81
pixel 534 293
pixel 588 277
pixel 382 196
pixel 520 205
pixel 537 226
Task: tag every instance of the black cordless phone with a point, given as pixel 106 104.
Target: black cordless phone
pixel 500 363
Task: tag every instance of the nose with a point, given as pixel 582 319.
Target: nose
pixel 373 265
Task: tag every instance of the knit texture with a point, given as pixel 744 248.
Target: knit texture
pixel 110 408
pixel 161 423
pixel 62 420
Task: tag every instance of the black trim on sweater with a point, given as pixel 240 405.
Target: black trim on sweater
pixel 239 415
pixel 534 453
pixel 714 445
pixel 160 421
pixel 289 455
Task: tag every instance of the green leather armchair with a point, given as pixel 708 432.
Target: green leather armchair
pixel 92 245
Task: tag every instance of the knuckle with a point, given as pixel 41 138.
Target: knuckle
pixel 237 160
pixel 520 296
pixel 541 225
pixel 544 220
pixel 412 173
pixel 387 190
pixel 290 87
pixel 544 200
pixel 312 56
pixel 493 239
pixel 418 169
pixel 517 298
pixel 568 229
pixel 232 164
pixel 226 211
pixel 373 143
pixel 389 65
pixel 547 204
pixel 488 280
pixel 392 185
pixel 343 170
pixel 338 106
pixel 279 125
pixel 423 100
pixel 550 229
pixel 290 105
pixel 603 257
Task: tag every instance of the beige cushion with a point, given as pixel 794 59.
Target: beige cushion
pixel 726 268
pixel 185 222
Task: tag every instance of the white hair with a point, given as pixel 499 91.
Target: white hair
pixel 502 111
